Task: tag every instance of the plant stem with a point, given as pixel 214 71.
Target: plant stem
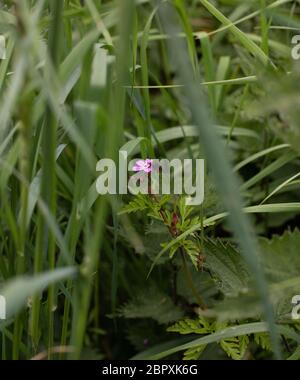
pixel 174 232
pixel 45 245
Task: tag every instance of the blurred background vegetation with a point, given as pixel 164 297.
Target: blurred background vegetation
pixel 159 79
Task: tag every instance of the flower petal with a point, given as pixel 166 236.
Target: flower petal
pixel 136 168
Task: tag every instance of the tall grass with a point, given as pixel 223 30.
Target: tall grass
pixel 83 79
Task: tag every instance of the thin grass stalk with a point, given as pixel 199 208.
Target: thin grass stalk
pixel 24 139
pixel 45 245
pixel 24 167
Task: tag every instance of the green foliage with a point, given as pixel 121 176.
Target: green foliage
pixel 139 203
pixel 280 256
pixel 234 347
pixel 227 266
pixel 157 208
pixel 263 340
pixel 190 326
pixel 280 260
pixel 157 79
pixel 284 116
pixel 151 303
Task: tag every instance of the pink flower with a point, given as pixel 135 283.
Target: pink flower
pixel 143 165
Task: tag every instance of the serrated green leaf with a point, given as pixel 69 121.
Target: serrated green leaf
pixel 151 303
pixel 263 340
pixel 235 347
pixel 192 326
pixel 227 267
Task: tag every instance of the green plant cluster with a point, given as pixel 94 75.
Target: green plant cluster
pixel 148 277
